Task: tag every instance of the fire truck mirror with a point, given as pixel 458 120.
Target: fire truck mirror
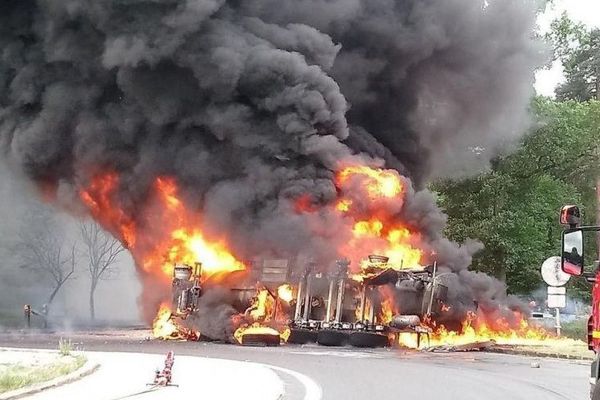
pixel 572 252
pixel 570 215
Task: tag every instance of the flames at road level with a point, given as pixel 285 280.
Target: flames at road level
pixel 265 316
pixel 474 330
pixel 164 327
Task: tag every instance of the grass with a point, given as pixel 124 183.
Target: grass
pixel 65 347
pixel 17 376
pixel 575 350
pixel 575 330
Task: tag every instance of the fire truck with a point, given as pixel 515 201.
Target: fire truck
pixel 572 262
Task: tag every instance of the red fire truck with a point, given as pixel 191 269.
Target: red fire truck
pixel 572 262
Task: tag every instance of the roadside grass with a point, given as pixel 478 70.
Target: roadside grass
pixel 575 330
pixel 16 376
pixel 575 350
pixel 65 347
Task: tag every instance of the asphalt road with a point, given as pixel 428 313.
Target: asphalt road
pixel 312 372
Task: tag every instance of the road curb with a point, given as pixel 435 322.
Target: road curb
pixel 87 369
pixel 533 353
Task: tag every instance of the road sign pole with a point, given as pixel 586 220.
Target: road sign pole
pixel 557 321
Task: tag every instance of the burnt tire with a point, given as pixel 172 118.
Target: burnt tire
pixel 332 338
pixel 302 336
pixel 260 340
pixel 369 339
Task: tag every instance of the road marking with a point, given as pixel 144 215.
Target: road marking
pixel 312 390
pixel 345 354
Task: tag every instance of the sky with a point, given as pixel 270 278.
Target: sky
pixel 584 11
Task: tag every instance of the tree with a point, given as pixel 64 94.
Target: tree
pixel 41 247
pixel 513 208
pixel 578 50
pixel 102 251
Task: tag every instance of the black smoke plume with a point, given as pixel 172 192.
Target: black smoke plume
pixel 252 103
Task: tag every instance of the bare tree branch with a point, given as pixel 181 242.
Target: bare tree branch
pixel 39 247
pixel 102 251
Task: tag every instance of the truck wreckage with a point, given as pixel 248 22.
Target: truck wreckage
pixel 331 307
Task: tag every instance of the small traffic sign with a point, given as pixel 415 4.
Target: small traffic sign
pixel 557 290
pixel 557 301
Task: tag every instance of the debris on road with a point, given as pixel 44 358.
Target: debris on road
pixel 475 346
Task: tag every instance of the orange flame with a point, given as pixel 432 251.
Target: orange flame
pixel 474 329
pixel 163 326
pixel 378 182
pixel 98 198
pixel 387 311
pixel 374 230
pixel 172 234
pixel 258 329
pixel 262 312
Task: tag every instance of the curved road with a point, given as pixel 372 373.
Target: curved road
pixel 312 372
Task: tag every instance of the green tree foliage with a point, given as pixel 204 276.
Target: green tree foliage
pixel 513 208
pixel 578 50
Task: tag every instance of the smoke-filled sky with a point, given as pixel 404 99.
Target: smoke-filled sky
pixel 431 86
pixel 250 104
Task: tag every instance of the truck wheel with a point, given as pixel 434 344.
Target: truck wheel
pixel 368 339
pixel 260 339
pixel 332 338
pixel 302 336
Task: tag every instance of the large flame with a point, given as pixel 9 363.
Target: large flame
pixel 476 328
pixel 166 233
pixel 171 233
pixel 374 229
pixel 369 201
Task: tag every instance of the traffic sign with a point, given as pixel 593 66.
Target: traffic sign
pixel 552 273
pixel 557 290
pixel 557 301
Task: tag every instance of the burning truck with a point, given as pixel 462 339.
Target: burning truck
pixel 329 306
pixel 402 290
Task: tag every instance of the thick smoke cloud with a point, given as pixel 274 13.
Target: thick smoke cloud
pixel 250 104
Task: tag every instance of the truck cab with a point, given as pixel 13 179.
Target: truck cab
pixel 573 263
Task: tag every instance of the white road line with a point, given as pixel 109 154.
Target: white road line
pixel 345 354
pixel 312 390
